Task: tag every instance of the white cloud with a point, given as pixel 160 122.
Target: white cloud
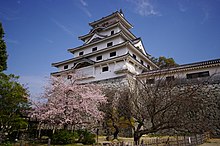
pixel 182 8
pixel 49 41
pixel 205 17
pixel 11 41
pixel 63 27
pixel 84 8
pixel 9 14
pixel 144 8
pixel 83 3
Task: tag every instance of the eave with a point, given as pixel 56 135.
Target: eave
pixel 89 54
pixel 100 63
pixel 182 68
pixel 143 55
pixel 93 43
pixel 128 32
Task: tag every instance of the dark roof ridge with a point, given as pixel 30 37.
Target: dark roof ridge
pixel 117 13
pixel 138 38
pixel 189 65
pixel 104 17
pixel 201 62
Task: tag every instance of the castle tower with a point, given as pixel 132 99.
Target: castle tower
pixel 110 50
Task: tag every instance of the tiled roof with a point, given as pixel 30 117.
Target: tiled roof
pixel 108 17
pixel 184 67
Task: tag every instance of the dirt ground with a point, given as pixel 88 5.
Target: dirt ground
pixel 212 142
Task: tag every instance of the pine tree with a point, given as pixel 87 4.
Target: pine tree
pixel 3 52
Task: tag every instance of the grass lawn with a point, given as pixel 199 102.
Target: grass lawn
pixel 212 142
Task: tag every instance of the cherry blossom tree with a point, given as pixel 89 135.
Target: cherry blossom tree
pixel 171 107
pixel 69 104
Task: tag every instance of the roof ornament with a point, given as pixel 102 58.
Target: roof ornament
pixel 120 11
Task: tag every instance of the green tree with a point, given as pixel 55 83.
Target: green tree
pixel 164 62
pixel 13 98
pixel 3 52
pixel 117 117
pixel 13 104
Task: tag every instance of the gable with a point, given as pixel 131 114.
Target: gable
pixel 139 45
pixel 95 38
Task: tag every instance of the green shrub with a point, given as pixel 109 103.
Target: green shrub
pixel 64 137
pixel 86 137
pixel 7 143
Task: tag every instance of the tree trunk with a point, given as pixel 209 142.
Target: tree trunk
pixel 137 137
pixel 115 134
pixel 65 126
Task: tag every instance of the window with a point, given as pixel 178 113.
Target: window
pixel 65 67
pixel 94 49
pixel 134 56
pixel 142 62
pixel 99 58
pixel 105 69
pixel 131 62
pixel 169 78
pixel 112 54
pixel 150 81
pixel 81 53
pixel 112 32
pixel 148 66
pixel 197 75
pixel 69 77
pixel 109 44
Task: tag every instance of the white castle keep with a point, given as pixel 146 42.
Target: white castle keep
pixel 110 51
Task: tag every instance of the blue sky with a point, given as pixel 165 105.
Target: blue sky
pixel 39 32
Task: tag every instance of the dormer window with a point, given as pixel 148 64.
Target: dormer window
pixel 109 44
pixel 94 49
pixel 112 32
pixel 81 53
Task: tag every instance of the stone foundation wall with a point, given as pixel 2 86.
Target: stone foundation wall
pixel 210 90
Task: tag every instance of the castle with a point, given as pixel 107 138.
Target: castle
pixel 111 51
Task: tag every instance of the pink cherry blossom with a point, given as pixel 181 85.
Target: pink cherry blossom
pixel 69 103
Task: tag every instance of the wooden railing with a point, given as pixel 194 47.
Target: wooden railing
pixel 192 140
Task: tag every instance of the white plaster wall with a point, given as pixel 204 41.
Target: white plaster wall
pixel 99 75
pixel 212 71
pixel 107 32
pixel 61 67
pixel 133 68
pixel 101 45
pixel 106 55
pixel 119 66
pixel 140 45
pixel 138 57
pixel 86 71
